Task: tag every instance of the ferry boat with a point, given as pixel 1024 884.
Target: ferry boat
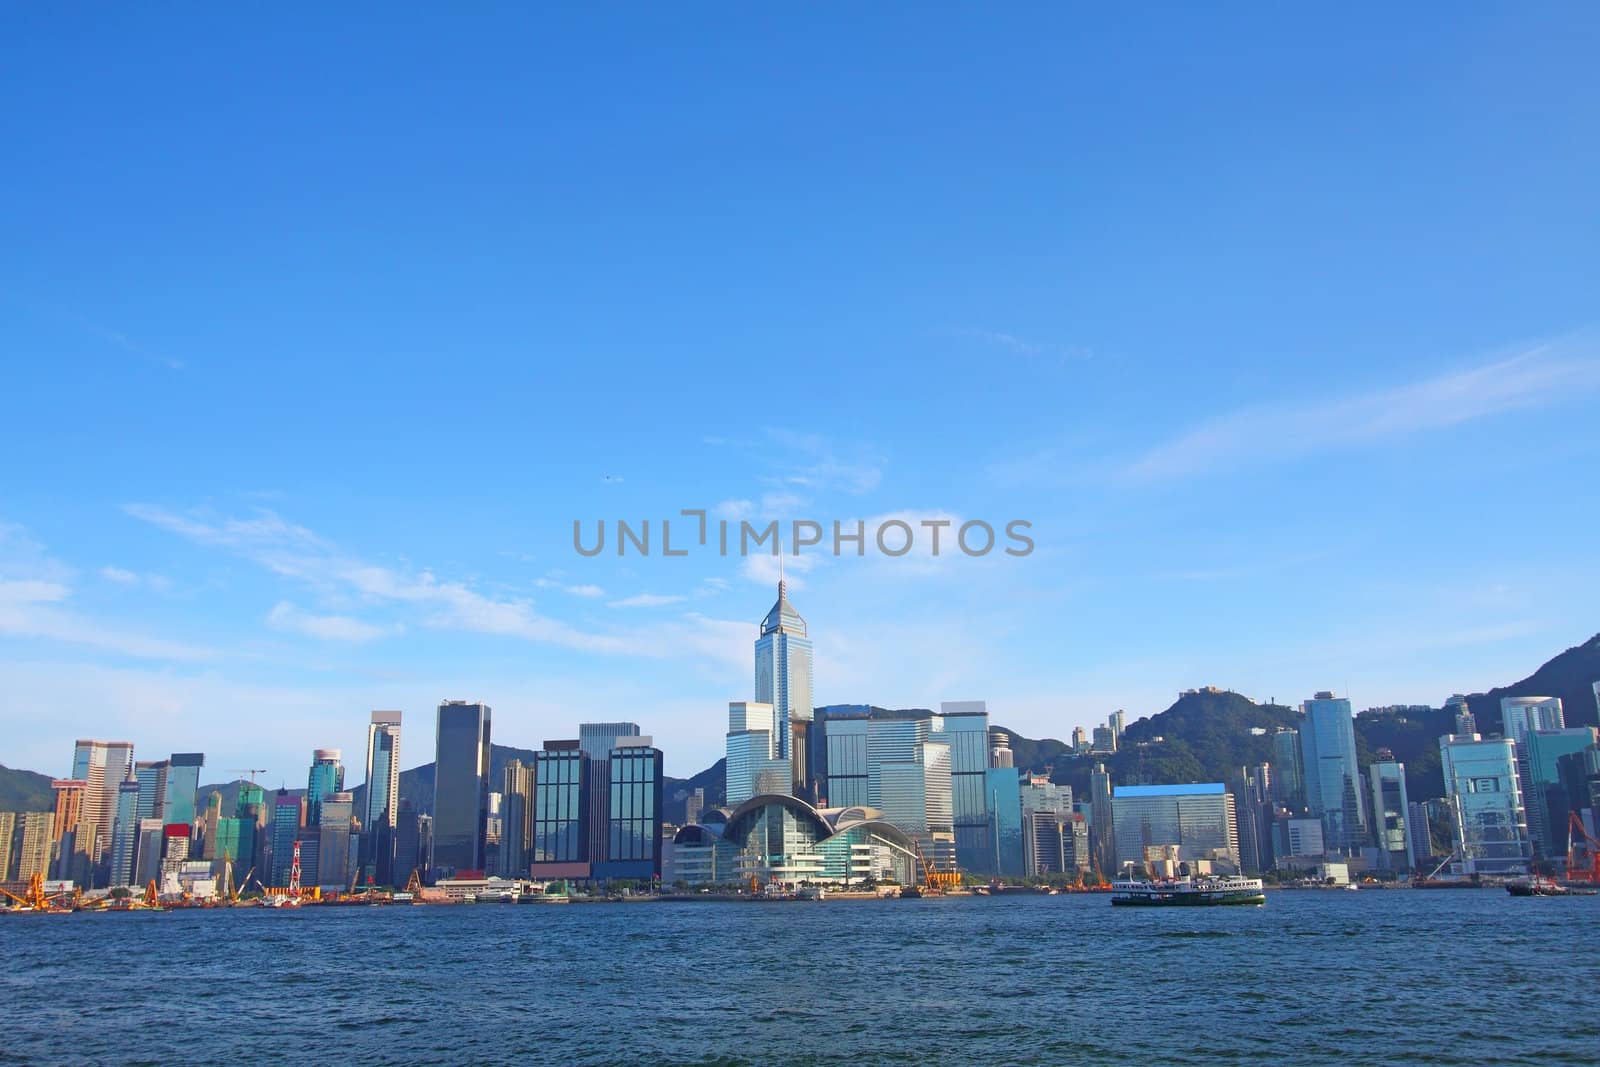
pixel 1188 892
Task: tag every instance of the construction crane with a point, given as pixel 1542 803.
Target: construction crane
pixel 35 898
pixel 251 771
pixel 1576 870
pixel 294 872
pixel 414 883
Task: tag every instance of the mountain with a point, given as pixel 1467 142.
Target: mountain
pixel 714 780
pixel 25 791
pixel 1570 676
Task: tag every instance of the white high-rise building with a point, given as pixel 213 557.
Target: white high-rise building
pixel 754 766
pixel 1488 822
pixel 104 766
pixel 1521 714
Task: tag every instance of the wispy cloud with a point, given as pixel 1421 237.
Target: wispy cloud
pixel 285 616
pixel 30 608
pixel 590 592
pixel 127 344
pixel 1534 377
pixel 648 600
pixel 294 552
pixel 814 463
pixel 1022 346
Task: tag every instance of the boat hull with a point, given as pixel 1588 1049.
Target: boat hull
pixel 1191 900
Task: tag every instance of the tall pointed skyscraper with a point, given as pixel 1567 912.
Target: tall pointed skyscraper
pixel 783 679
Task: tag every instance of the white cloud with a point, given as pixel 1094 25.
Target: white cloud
pixel 588 591
pixel 295 552
pixel 285 616
pixel 734 509
pixel 1536 376
pixel 647 600
pixel 33 588
pixel 118 575
pixel 765 569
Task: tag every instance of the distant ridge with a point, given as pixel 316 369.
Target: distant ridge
pixel 1570 676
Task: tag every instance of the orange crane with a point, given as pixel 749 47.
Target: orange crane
pixel 35 898
pixel 1576 871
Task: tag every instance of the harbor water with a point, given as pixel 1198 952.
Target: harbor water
pixel 1312 977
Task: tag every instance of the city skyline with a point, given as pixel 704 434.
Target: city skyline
pixel 1296 374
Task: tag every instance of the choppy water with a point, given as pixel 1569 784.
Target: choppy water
pixel 1440 977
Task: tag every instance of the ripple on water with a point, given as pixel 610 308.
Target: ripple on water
pixel 1030 980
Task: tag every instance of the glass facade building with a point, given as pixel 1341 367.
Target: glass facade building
pixel 1519 715
pixel 152 778
pixel 633 813
pixel 325 778
pixel 181 787
pixel 1006 830
pixel 1198 819
pixel 1332 776
pixel 1546 799
pixel 558 847
pixel 963 726
pixel 288 816
pixel 125 833
pixel 383 795
pixel 754 765
pixel 461 787
pixel 782 839
pixel 1288 775
pixel 783 677
pixel 1489 824
pixel 1391 817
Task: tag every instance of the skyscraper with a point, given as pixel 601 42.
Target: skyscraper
pixel 288 817
pixel 383 794
pixel 461 786
pixel 784 680
pixel 1489 824
pixel 1196 819
pixel 1332 777
pixel 335 828
pixel 559 847
pixel 124 833
pixel 754 764
pixel 964 726
pixel 1288 773
pixel 102 766
pixel 71 835
pixel 1102 826
pixel 413 834
pixel 1118 722
pixel 325 778
pixel 1391 816
pixel 632 805
pixel 1544 795
pixel 1521 714
pixel 181 788
pixel 516 819
pixel 152 778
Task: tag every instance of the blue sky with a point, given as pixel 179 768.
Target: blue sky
pixel 320 330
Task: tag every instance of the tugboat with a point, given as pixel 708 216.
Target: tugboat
pixel 1202 892
pixel 1537 886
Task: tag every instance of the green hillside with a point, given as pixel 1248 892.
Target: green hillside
pixel 25 791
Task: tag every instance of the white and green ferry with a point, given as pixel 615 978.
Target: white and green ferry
pixel 1204 891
